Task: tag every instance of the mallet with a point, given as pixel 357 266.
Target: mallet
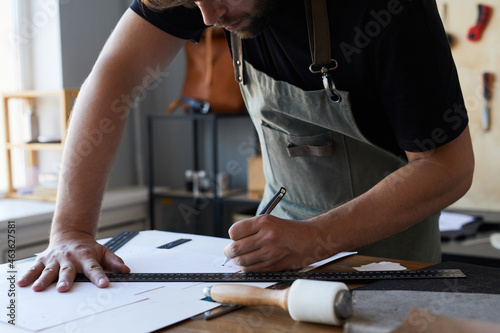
pixel 306 300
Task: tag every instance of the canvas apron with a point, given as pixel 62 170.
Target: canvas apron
pixel 313 147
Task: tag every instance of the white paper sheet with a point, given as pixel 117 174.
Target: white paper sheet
pixel 153 260
pixel 453 221
pixel 327 260
pixel 381 266
pixel 40 310
pixel 8 328
pixel 163 307
pixel 198 244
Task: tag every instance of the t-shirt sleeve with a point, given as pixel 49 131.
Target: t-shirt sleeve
pixel 181 22
pixel 417 80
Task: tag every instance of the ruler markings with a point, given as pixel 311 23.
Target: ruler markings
pixel 119 240
pixel 281 276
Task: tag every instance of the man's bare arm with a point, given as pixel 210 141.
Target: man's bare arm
pixel 134 54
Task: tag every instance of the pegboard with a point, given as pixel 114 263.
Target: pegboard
pixel 472 59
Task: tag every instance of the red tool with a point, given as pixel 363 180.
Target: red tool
pixel 484 16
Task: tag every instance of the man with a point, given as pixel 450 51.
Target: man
pixel 367 166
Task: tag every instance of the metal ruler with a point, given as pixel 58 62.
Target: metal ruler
pixel 121 239
pixel 282 276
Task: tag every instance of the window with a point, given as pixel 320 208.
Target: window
pixel 10 78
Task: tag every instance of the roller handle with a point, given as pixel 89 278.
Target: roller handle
pixel 487 85
pixel 247 295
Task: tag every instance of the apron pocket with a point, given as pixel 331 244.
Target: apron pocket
pixel 314 169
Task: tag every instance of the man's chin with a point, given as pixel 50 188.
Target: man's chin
pixel 251 31
pixel 246 33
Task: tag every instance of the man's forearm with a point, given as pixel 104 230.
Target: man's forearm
pixel 93 138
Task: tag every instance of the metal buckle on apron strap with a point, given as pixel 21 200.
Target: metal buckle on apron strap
pixel 328 81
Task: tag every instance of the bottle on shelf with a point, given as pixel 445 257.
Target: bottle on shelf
pixel 30 129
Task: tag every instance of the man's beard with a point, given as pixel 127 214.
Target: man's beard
pixel 259 17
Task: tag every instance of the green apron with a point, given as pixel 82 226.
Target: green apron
pixel 313 147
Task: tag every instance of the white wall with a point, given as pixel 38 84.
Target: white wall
pixel 6 83
pixel 85 27
pixel 42 28
pixel 472 60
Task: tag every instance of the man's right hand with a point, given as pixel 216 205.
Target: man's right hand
pixel 69 254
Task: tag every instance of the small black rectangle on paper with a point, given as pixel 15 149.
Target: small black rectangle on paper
pixel 174 243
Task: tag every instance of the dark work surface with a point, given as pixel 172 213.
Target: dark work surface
pixel 480 279
pixel 471 259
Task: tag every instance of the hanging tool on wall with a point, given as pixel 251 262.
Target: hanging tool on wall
pixel 451 38
pixel 487 93
pixel 476 31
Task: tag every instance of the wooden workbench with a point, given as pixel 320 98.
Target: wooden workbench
pixel 271 319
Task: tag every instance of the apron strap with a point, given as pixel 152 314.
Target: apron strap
pixel 319 33
pixel 318 29
pixel 237 50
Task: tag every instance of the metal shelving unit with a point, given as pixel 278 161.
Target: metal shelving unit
pixel 234 196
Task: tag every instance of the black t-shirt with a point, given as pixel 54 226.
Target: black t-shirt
pixel 393 58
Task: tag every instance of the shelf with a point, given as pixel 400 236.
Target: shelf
pixel 40 194
pixel 35 146
pixel 65 99
pixel 237 194
pixel 244 198
pixel 34 94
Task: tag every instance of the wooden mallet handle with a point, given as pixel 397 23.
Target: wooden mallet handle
pixel 248 295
